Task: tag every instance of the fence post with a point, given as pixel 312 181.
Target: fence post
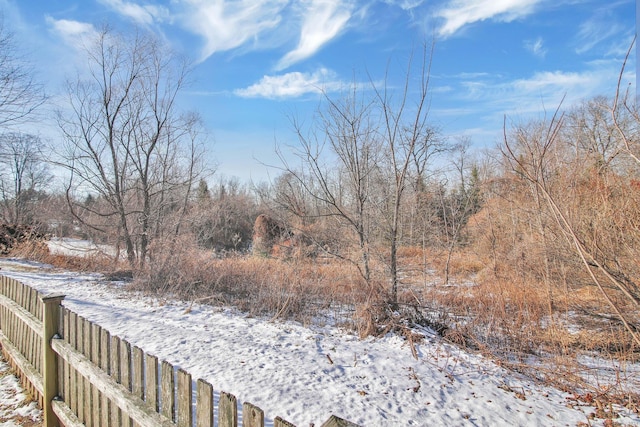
pixel 50 322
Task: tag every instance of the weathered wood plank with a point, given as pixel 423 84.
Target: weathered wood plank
pixel 50 369
pixel 65 414
pixel 39 349
pixel 204 404
pixel 167 391
pixel 19 340
pixel 114 371
pixel 138 372
pixel 61 363
pixel 73 375
pixel 185 390
pixel 96 398
pixel 79 379
pixel 9 288
pixel 33 302
pixel 15 290
pixel 137 368
pixel 125 375
pixel 12 290
pixel 125 364
pixel 279 422
pixel 66 371
pixel 3 317
pixel 21 294
pixel 105 342
pixel 227 410
pixel 151 381
pixel 252 416
pixel 88 395
pixel 30 353
pixel 334 421
pixel 30 302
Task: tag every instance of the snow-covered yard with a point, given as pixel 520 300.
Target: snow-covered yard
pixel 305 374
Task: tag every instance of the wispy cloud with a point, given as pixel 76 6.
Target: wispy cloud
pixel 142 14
pixel 292 85
pixel 536 47
pixel 486 98
pixel 459 13
pixel 555 83
pixel 322 21
pixel 405 4
pixel 74 33
pixel 597 30
pixel 226 25
pixel 529 95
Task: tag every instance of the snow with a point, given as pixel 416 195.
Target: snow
pixel 76 247
pixel 14 402
pixel 305 374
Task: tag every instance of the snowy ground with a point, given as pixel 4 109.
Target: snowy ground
pixel 78 248
pixel 16 409
pixel 306 374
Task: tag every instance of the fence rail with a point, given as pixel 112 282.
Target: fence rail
pixel 81 375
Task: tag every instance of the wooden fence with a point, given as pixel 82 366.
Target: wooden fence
pixel 81 375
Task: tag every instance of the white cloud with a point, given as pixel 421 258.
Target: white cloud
pixel 459 13
pixel 555 82
pixel 226 25
pixel 595 31
pixel 486 99
pixel 405 4
pixel 292 85
pixel 536 47
pixel 322 21
pixel 142 14
pixel 546 88
pixel 74 33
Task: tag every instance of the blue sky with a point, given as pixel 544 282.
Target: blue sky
pixel 260 62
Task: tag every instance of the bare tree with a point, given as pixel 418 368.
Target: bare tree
pixel 20 94
pixel 458 204
pixel 409 141
pixel 363 153
pixel 23 173
pixel 338 158
pixel 127 142
pixel 593 133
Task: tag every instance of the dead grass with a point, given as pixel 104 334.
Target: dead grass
pixel 490 311
pixel 280 289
